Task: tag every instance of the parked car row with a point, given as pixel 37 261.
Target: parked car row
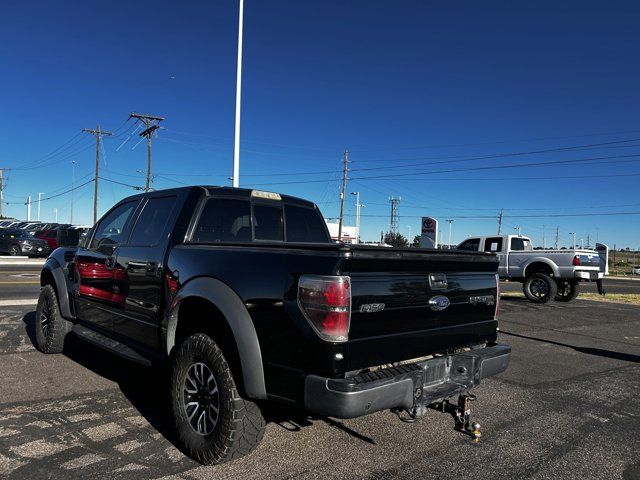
pixel 37 238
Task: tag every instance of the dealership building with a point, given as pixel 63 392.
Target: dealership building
pixel 349 234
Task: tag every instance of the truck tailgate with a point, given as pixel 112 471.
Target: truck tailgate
pixel 392 318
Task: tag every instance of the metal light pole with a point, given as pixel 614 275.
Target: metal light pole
pixel 574 240
pixel 410 239
pixel 358 207
pixel 55 212
pixel 73 179
pixel 450 222
pixel 28 208
pixel 236 146
pixel 518 229
pixel 39 199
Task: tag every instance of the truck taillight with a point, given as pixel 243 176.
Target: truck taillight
pixel 576 260
pixel 497 312
pixel 326 303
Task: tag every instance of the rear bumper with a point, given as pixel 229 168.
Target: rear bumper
pixel 404 386
pixel 588 275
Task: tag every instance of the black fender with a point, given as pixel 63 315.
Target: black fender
pixel 61 283
pixel 239 320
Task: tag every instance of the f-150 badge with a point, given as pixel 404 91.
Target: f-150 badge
pixel 439 303
pixel 371 307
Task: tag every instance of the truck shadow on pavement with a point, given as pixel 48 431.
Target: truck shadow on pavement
pixel 147 389
pixel 627 357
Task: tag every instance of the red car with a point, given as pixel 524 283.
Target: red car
pixel 50 236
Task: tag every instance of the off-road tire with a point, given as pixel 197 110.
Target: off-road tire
pixel 240 425
pixel 15 251
pixel 50 327
pixel 533 284
pixel 567 292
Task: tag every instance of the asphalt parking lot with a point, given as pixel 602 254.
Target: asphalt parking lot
pixel 567 407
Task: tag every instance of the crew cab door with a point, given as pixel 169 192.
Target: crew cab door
pixel 497 246
pixel 96 268
pixel 141 258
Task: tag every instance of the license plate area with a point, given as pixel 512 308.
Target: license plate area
pixel 447 376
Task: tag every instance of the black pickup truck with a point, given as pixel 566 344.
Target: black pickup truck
pixel 246 297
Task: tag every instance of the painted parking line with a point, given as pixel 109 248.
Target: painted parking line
pixel 18 302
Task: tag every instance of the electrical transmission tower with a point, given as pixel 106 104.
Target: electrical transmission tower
pixel 393 222
pixel 152 124
pixel 98 134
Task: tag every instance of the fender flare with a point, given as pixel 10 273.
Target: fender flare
pixel 546 261
pixel 237 316
pixel 60 284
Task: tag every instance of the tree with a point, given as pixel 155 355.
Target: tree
pixel 395 239
pixel 416 241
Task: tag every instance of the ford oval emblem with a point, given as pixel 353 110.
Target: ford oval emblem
pixel 439 303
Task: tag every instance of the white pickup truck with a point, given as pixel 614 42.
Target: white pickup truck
pixel 545 274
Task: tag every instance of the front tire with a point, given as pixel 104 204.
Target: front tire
pixel 51 328
pixel 567 292
pixel 213 422
pixel 539 288
pixel 14 250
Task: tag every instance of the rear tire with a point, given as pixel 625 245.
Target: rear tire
pixel 51 328
pixel 539 288
pixel 213 422
pixel 14 250
pixel 567 291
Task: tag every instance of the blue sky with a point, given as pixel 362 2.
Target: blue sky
pixel 411 88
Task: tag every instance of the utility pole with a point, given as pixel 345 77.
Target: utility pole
pixel 73 181
pixel 544 240
pixel 55 212
pixel 358 206
pixel 450 220
pixel 557 237
pixel 500 223
pixel 39 200
pixel 574 240
pixel 152 124
pixel 393 221
pixel 236 144
pixel 28 208
pixel 345 162
pixel 1 189
pixel 98 134
pixel 588 240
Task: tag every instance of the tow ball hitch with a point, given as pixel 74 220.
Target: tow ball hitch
pixel 461 413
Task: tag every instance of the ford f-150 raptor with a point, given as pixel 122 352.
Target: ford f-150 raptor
pixel 246 297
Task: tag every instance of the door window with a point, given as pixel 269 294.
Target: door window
pixel 472 244
pixel 493 244
pixel 152 221
pixel 520 244
pixel 110 229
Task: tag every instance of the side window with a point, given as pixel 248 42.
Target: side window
pixel 109 230
pixel 520 244
pixel 224 220
pixel 152 221
pixel 304 225
pixel 267 222
pixel 472 245
pixel 493 244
